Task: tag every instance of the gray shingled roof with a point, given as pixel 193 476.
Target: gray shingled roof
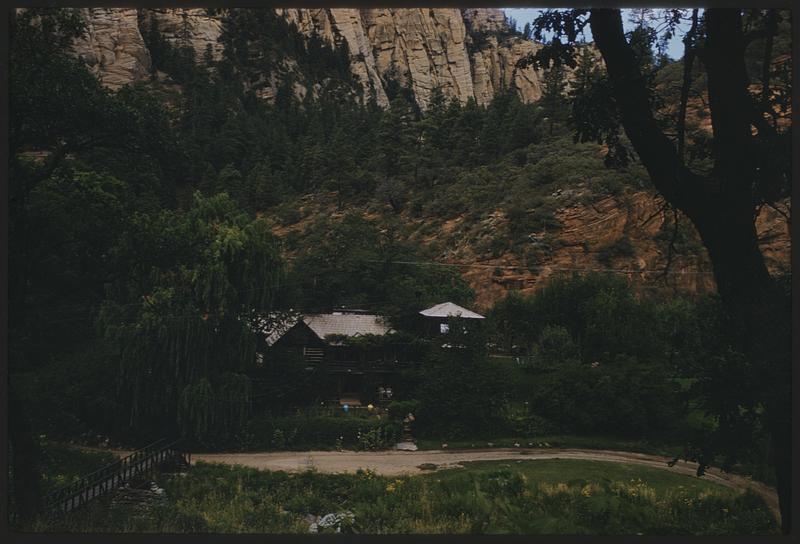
pixel 448 309
pixel 346 324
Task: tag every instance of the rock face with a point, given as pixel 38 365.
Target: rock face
pixel 485 19
pixel 422 49
pixel 639 217
pixel 113 47
pixel 335 26
pixel 427 48
pixel 494 69
pixel 193 27
pixel 588 231
pixel 418 48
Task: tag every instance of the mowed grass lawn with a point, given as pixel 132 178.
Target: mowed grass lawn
pixel 526 497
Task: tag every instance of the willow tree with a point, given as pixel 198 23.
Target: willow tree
pixel 183 318
pixel 746 164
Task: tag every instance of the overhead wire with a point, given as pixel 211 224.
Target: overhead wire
pixel 628 272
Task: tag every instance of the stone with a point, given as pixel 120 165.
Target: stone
pixel 405 446
pixel 332 521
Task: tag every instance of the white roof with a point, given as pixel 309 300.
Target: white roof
pixel 347 324
pixel 448 309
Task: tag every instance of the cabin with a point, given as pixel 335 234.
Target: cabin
pixel 436 320
pixel 352 347
pixel 341 343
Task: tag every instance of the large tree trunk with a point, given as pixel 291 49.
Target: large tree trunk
pixel 25 459
pixel 762 313
pixel 721 207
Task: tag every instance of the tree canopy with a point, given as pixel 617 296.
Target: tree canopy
pixel 721 201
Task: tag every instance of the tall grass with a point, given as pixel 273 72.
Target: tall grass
pixel 490 497
pixel 60 465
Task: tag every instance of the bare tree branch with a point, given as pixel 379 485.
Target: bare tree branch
pixel 657 212
pixel 679 185
pixel 688 61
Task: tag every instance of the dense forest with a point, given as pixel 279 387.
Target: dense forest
pixel 150 227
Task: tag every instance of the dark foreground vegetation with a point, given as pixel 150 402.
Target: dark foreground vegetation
pixel 528 497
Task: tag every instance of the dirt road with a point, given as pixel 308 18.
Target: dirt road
pixel 407 462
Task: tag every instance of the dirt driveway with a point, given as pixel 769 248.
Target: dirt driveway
pixel 392 463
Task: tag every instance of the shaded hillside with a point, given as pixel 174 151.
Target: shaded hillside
pixel 452 150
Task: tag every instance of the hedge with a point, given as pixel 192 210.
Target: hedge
pixel 320 432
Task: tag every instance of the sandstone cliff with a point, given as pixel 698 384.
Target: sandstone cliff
pixel 485 19
pixel 588 230
pixel 467 53
pixel 113 48
pixel 427 48
pixel 494 68
pixel 192 27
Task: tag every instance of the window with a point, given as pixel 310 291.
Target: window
pixel 444 328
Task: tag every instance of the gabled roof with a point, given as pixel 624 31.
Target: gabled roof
pixel 448 309
pixel 274 326
pixel 347 324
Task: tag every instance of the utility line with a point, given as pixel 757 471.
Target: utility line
pixel 628 272
pixel 534 267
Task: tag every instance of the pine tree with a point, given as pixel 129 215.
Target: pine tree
pixel 397 138
pixel 554 101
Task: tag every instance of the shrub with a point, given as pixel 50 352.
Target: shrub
pixel 611 185
pixel 321 432
pixel 498 245
pixel 556 345
pixel 530 425
pixel 622 247
pixel 461 394
pixel 602 314
pixel 400 408
pixel 544 219
pixel 623 396
pixel 288 215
